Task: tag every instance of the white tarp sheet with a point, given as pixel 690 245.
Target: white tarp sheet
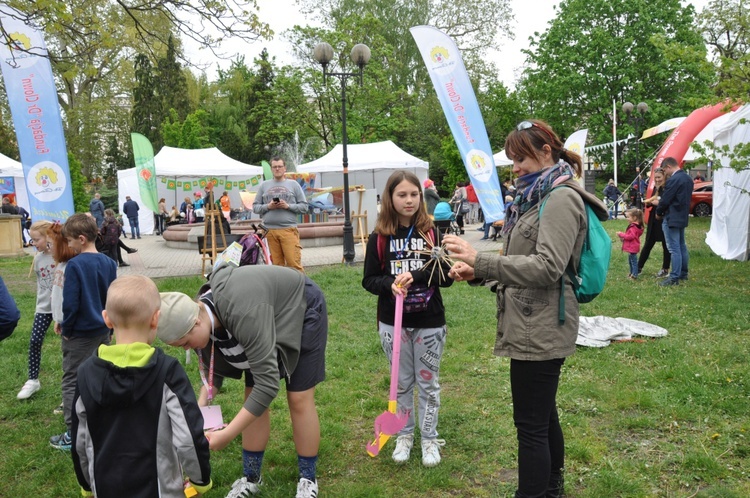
pixel 600 331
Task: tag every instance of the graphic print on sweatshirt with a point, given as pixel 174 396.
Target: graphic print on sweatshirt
pixel 406 258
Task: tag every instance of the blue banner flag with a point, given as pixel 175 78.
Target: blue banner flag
pixel 451 82
pixel 36 116
pixel 7 185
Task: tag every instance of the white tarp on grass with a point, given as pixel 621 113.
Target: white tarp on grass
pixel 600 331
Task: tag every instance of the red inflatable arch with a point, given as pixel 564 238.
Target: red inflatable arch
pixel 681 137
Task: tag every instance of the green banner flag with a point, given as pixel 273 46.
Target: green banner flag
pixel 267 174
pixel 145 169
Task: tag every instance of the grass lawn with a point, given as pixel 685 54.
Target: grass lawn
pixel 654 418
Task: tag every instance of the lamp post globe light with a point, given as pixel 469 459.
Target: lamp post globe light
pixel 360 56
pixel 637 119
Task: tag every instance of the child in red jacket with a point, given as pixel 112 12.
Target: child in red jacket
pixel 631 239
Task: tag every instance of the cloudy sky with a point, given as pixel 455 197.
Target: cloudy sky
pixel 530 16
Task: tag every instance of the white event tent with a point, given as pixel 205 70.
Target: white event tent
pixel 12 168
pixel 370 165
pixel 729 235
pixel 179 166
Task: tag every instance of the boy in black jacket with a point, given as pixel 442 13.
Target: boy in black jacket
pixel 132 388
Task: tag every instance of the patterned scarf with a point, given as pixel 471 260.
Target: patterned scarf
pixel 533 187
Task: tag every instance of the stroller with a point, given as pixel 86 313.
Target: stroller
pixel 445 219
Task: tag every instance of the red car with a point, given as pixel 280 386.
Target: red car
pixel 701 203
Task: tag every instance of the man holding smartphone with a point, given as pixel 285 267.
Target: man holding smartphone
pixel 278 202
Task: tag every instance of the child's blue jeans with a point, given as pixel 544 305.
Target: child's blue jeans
pixel 633 260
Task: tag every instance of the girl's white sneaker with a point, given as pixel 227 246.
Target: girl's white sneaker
pixel 403 448
pixel 28 389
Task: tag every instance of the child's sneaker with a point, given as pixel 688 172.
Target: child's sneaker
pixel 403 448
pixel 307 488
pixel 59 409
pixel 61 442
pixel 242 488
pixel 662 273
pixel 28 389
pixel 431 451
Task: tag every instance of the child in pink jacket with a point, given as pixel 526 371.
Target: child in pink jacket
pixel 631 239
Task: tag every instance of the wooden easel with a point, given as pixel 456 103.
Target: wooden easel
pixel 361 219
pixel 211 248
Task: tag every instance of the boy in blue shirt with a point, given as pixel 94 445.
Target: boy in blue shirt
pixel 87 278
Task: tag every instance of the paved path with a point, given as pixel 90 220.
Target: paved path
pixel 154 259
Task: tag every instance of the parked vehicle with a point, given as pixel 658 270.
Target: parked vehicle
pixel 701 203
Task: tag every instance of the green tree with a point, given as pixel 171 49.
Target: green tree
pixel 171 83
pixel 192 133
pixel 115 160
pixel 725 25
pixel 78 183
pixel 597 51
pixel 501 109
pixel 149 22
pixel 146 111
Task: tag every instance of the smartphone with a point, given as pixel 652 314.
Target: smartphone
pixel 275 199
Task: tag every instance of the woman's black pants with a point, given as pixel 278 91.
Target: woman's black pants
pixel 541 448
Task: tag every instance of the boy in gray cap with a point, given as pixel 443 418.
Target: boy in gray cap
pixel 271 321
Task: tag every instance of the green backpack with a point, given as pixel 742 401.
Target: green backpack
pixel 589 278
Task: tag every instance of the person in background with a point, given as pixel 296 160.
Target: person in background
pixel 698 177
pixel 459 197
pixel 654 232
pixel 226 206
pixel 184 207
pixel 536 328
pixel 130 209
pixel 9 313
pixel 25 224
pixel 134 388
pixel 87 278
pixel 160 216
pixel 110 233
pixel 674 210
pixel 631 239
pixel 473 200
pixel 44 267
pixel 8 207
pixel 278 202
pixel 62 253
pixel 431 197
pixel 173 217
pixel 394 266
pixel 96 208
pixel 612 195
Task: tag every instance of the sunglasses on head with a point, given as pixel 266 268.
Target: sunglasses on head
pixel 527 125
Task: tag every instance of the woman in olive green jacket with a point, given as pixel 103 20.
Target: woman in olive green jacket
pixel 527 280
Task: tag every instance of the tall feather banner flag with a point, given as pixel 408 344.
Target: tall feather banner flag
pixel 577 142
pixel 145 169
pixel 32 97
pixel 451 82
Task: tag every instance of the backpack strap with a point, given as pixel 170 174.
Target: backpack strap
pixel 381 250
pixel 569 271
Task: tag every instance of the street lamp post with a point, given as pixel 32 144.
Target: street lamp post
pixel 360 56
pixel 637 119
